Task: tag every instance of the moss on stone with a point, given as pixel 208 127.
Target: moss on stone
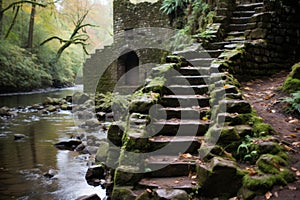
pixel 155 85
pixel 292 83
pixel 261 129
pixel 271 164
pixel 126 175
pixel 120 193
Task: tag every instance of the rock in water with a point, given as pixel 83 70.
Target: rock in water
pixel 172 194
pixel 94 174
pixel 19 136
pixel 89 197
pixel 68 145
pixel 51 173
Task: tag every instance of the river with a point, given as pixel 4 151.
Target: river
pixel 24 162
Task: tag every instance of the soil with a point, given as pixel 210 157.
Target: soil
pixel 264 95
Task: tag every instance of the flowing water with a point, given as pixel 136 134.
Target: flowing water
pixel 24 162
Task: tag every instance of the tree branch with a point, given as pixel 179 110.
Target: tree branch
pixel 20 3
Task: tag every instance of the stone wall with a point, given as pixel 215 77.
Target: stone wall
pixel 129 16
pixel 274 36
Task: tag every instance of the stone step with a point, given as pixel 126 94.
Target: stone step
pixel 185 100
pixel 217 45
pixel 188 80
pixel 173 145
pixel 240 20
pixel 236 40
pixel 184 113
pixel 249 7
pixel 178 127
pixel 215 53
pixel 243 13
pixel 187 90
pixel 180 182
pixel 189 70
pixel 170 166
pixel 238 27
pixel 235 34
pixel 202 53
pixel 201 62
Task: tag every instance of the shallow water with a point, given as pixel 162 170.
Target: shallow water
pixel 23 162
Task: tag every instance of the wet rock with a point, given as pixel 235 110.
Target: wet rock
pixel 92 122
pixel 68 145
pixel 51 173
pixel 236 106
pixel 102 151
pixel 19 136
pixel 79 98
pixel 171 194
pixel 80 147
pixel 84 114
pixel 4 111
pixel 89 197
pixel 92 149
pixel 68 99
pixel 51 108
pixel 120 193
pixel 220 177
pixel 66 107
pixel 48 101
pixel 94 174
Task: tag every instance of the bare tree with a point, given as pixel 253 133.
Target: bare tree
pixel 79 36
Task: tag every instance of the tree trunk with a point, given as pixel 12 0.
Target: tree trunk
pixel 1 18
pixel 31 26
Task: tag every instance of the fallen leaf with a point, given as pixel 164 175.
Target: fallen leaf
pixel 276 194
pixel 294 121
pixel 269 96
pixel 149 190
pixel 247 88
pixel 246 95
pixel 226 86
pixel 194 183
pixel 205 119
pixel 233 198
pixel 287 148
pixel 296 144
pixel 186 155
pixel 251 171
pixel 294 169
pixel 293 135
pixel 194 177
pixel 176 182
pixel 292 187
pixel 297 173
pixel 268 195
pixel 273 111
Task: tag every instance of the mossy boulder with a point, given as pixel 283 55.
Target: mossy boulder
pixel 292 83
pixel 126 175
pixel 120 193
pixel 219 178
pixel 101 154
pixel 271 164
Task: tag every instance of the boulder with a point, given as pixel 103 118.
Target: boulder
pixel 171 194
pixel 89 197
pixel 79 98
pixel 51 108
pixel 92 122
pixel 4 111
pixel 68 145
pixel 92 149
pixel 220 177
pixel 102 151
pixel 51 173
pixel 94 174
pixel 19 136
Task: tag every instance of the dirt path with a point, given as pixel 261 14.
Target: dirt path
pixel 264 96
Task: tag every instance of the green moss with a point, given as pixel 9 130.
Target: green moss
pixel 120 193
pixel 292 83
pixel 262 129
pixel 155 85
pixel 270 164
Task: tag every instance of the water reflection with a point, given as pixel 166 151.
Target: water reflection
pixel 23 162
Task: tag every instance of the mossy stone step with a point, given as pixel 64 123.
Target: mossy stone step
pixel 240 20
pixel 249 6
pixel 173 145
pixel 184 113
pixel 201 62
pixel 177 127
pixel 180 182
pixel 243 13
pixel 217 45
pixel 189 70
pixel 235 34
pixel 238 27
pixel 185 100
pixel 188 80
pixel 186 89
pixel 236 106
pixel 170 166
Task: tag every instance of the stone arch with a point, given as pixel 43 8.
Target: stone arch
pixel 128 67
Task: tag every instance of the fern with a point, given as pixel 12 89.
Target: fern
pixel 294 101
pixel 172 6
